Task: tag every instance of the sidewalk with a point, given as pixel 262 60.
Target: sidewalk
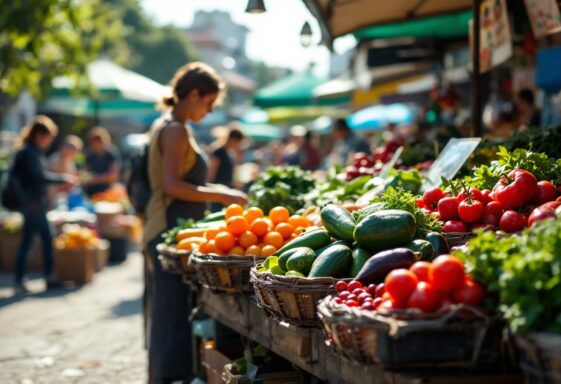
pixel 88 335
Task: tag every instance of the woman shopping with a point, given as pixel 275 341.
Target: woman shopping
pixel 30 169
pixel 177 171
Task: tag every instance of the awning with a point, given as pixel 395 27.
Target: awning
pixel 299 115
pixel 427 82
pixel 341 87
pixel 378 117
pixel 295 90
pixel 374 95
pixel 452 25
pixel 262 131
pixel 338 18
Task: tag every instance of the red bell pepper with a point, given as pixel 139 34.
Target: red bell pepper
pixel 516 189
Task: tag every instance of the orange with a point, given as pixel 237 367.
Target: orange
pixel 299 221
pixel 225 241
pixel 260 227
pixel 252 214
pixel 202 247
pixel 234 210
pixel 279 215
pixel 268 250
pixel 236 251
pixel 298 231
pixel 211 233
pixel 274 238
pixel 247 239
pixel 211 247
pixel 254 250
pixel 284 229
pixel 189 243
pixel 237 225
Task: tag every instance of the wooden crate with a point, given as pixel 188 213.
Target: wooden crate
pixel 214 362
pixel 9 246
pixel 75 265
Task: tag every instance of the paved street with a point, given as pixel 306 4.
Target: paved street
pixel 87 335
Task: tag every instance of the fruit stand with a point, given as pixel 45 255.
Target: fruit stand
pixel 420 284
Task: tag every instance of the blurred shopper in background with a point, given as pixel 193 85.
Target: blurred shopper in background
pixel 347 143
pixel 306 153
pixel 31 171
pixel 102 162
pixel 529 114
pixel 64 161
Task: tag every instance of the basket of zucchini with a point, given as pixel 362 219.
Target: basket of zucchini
pixel 225 274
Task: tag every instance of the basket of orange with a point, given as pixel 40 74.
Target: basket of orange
pixel 176 258
pixel 224 260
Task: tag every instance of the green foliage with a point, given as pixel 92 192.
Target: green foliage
pixel 537 163
pixel 285 186
pixel 545 140
pixel 43 39
pixel 523 272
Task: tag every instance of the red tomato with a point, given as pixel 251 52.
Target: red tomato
pixel 423 270
pixel 364 296
pixel 377 301
pixel 470 292
pixel 351 303
pixel 341 286
pixel 344 295
pixel 516 189
pixel 354 285
pixel 447 273
pixel 454 226
pixel 490 220
pixel 432 196
pixel 368 305
pixel 380 290
pixel 494 208
pixel 474 192
pixel 471 211
pixel 372 290
pixel 546 192
pixel 421 203
pixel 424 297
pixel 400 283
pixel 512 221
pixel 448 208
pixel 487 196
pixel 539 214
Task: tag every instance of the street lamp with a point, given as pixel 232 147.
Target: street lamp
pixel 255 6
pixel 306 35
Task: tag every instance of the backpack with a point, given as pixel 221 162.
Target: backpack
pixel 13 195
pixel 138 186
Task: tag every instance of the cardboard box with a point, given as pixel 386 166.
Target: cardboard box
pixel 102 255
pixel 75 265
pixel 9 246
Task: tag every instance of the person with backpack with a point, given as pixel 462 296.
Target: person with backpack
pixel 29 180
pixel 177 170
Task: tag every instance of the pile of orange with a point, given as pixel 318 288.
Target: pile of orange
pixel 250 233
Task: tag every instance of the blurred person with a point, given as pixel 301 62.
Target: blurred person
pixel 347 143
pixel 102 162
pixel 529 114
pixel 64 161
pixel 306 155
pixel 177 169
pixel 31 171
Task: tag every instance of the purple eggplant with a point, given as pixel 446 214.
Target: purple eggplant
pixel 378 266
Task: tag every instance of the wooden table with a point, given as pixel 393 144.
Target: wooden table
pixel 306 347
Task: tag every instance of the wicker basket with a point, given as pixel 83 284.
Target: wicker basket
pixel 175 260
pixel 291 299
pixel 540 357
pixel 463 338
pixel 455 239
pixel 225 274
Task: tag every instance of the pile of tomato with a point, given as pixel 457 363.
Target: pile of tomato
pixel 516 202
pixel 429 287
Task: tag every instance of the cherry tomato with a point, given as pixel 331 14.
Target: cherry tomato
pixel 368 305
pixel 380 290
pixel 352 297
pixel 351 303
pixel 494 208
pixel 425 297
pixel 432 196
pixel 400 283
pixel 539 214
pixel 423 271
pixel 454 226
pixel 516 189
pixel 474 192
pixel 546 192
pixel 448 208
pixel 364 296
pixel 447 273
pixel 372 290
pixel 354 285
pixel 471 211
pixel 338 300
pixel 512 221
pixel 470 292
pixel 341 286
pixel 357 291
pixel 487 196
pixel 377 301
pixel 344 295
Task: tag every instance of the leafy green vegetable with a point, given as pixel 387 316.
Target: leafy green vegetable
pixel 400 199
pixel 485 177
pixel 281 186
pixel 523 273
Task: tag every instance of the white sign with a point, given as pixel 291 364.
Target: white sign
pixel 544 16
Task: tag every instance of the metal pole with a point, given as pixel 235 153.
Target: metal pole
pixel 476 117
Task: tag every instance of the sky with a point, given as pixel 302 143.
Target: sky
pixel 274 36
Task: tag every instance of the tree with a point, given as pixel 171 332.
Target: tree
pixel 43 39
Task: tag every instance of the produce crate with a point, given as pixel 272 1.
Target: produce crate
pixel 9 247
pixel 540 357
pixel 102 255
pixel 465 337
pixel 225 274
pixel 289 298
pixel 214 362
pixel 77 265
pixel 176 261
pixel 290 377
